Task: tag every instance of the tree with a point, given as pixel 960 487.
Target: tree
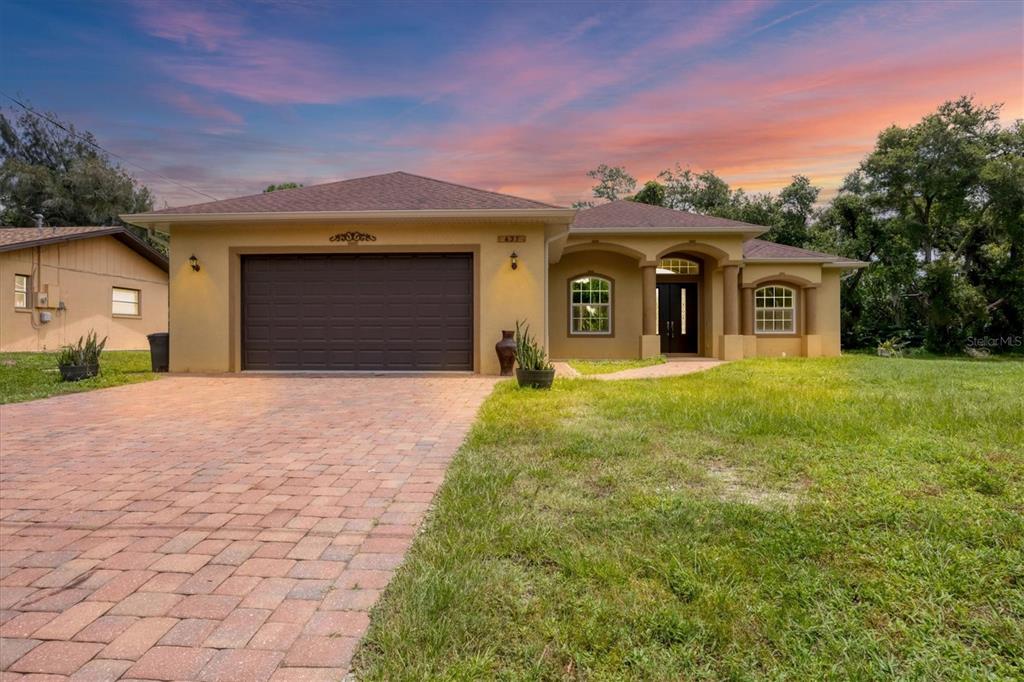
pixel 796 204
pixel 653 192
pixel 282 185
pixel 55 170
pixel 938 210
pixel 613 182
pixel 698 193
pixel 875 306
pixel 925 172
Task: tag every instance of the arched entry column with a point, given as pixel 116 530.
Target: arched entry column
pixel 812 333
pixel 732 340
pixel 650 342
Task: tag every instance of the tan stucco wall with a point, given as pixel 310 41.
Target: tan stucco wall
pixel 205 305
pixel 619 257
pixel 81 273
pixel 625 253
pixel 829 312
pixel 627 307
pixel 798 273
pixel 798 276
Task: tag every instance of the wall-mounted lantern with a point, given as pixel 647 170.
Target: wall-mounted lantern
pixel 194 262
pixel 515 260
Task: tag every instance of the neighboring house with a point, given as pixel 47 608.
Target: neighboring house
pixel 61 282
pixel 401 272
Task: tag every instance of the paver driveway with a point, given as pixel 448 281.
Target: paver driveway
pixel 232 528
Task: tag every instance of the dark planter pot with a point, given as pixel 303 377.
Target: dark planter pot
pixel 78 372
pixel 506 350
pixel 535 378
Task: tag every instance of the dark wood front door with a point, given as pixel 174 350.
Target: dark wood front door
pixel 387 311
pixel 677 317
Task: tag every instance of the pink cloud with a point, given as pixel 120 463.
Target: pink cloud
pixel 201 109
pixel 222 55
pixel 190 25
pixel 813 105
pixel 531 112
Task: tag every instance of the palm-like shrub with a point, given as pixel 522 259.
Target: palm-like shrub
pixel 530 355
pixel 86 352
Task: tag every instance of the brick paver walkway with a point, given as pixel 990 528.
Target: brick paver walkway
pixel 196 528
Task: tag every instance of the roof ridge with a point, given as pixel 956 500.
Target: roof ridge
pixel 665 210
pixel 382 191
pixel 287 189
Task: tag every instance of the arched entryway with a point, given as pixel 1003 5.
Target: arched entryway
pixel 680 302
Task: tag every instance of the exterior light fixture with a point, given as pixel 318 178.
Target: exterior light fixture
pixel 515 260
pixel 194 262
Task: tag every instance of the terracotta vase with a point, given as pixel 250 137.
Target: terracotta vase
pixel 506 350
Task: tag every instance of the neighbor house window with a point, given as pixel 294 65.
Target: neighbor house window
pixel 21 289
pixel 678 266
pixel 125 301
pixel 590 305
pixel 775 310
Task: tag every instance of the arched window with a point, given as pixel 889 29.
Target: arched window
pixel 775 310
pixel 678 266
pixel 590 305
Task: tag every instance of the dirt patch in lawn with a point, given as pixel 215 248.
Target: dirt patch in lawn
pixel 736 484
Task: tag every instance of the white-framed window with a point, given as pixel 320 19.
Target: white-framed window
pixel 21 291
pixel 590 305
pixel 775 310
pixel 125 301
pixel 678 266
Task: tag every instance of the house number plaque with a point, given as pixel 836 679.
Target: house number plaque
pixel 511 238
pixel 353 237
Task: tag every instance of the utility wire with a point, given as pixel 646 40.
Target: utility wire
pixel 105 151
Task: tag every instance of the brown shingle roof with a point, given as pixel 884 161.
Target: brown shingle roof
pixel 15 238
pixel 11 237
pixel 631 215
pixel 623 214
pixel 759 249
pixel 388 192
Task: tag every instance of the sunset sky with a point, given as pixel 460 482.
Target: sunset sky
pixel 517 97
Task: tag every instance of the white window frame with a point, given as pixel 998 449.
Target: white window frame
pixel 114 301
pixel 573 305
pixel 26 291
pixel 767 301
pixel 677 265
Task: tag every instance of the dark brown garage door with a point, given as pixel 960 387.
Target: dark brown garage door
pixel 358 312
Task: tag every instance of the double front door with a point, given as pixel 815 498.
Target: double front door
pixel 677 316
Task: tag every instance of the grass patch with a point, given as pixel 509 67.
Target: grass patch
pixel 847 518
pixel 608 366
pixel 29 376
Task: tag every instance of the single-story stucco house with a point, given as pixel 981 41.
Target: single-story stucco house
pixel 60 283
pixel 401 272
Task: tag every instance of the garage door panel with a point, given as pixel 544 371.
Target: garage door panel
pixel 358 312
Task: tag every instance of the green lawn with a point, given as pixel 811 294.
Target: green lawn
pixel 849 518
pixel 28 376
pixel 608 366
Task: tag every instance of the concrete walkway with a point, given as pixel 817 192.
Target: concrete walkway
pixel 674 367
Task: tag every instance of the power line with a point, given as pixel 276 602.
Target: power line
pixel 105 151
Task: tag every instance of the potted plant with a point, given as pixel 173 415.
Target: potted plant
pixel 81 361
pixel 533 368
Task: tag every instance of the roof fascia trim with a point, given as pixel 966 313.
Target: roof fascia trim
pixel 546 214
